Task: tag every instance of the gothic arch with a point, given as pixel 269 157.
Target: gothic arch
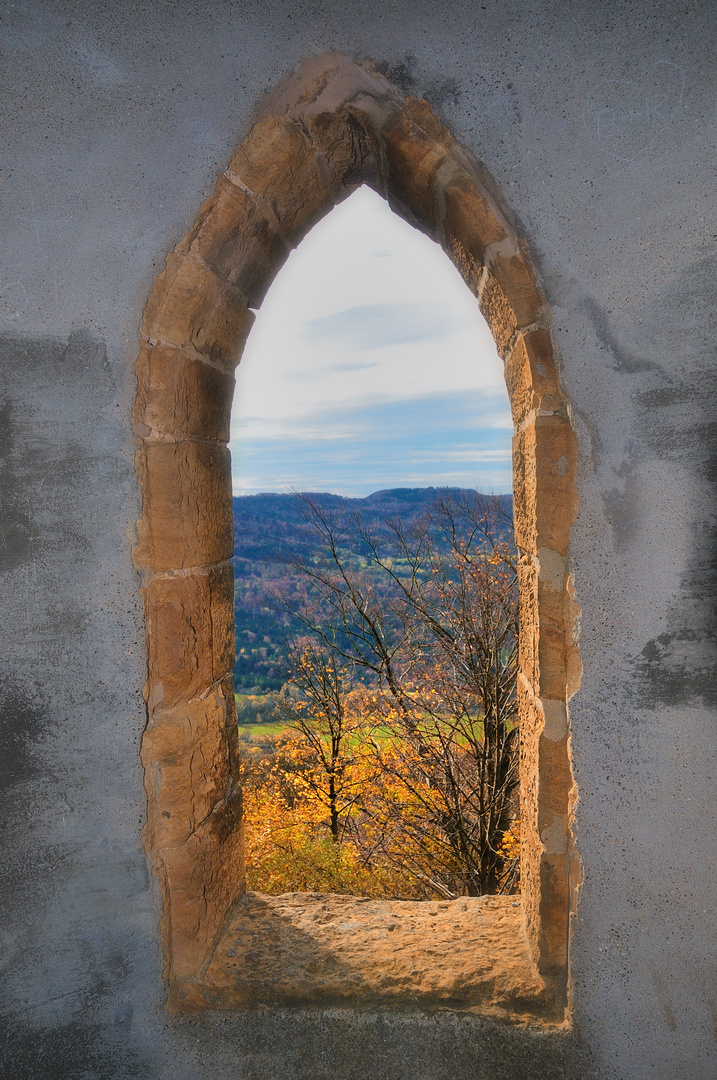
pixel 327 129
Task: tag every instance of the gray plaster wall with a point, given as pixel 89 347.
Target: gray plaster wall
pixel 597 119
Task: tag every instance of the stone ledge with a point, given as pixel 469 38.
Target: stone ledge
pixel 469 954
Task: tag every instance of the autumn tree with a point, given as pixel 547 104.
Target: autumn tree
pixel 318 702
pixel 427 613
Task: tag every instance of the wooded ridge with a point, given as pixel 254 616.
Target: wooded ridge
pixel 268 528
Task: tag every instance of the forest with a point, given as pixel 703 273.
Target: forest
pixel 376 664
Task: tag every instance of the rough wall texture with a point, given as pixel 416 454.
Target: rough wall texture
pixel 599 128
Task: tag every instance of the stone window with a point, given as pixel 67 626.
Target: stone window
pixel 327 129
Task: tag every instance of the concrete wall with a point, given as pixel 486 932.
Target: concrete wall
pixel 598 123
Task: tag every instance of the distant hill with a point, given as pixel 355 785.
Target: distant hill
pixel 265 526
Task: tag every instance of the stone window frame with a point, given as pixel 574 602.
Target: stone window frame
pixel 328 128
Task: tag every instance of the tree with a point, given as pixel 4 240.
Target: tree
pixel 320 710
pixel 428 614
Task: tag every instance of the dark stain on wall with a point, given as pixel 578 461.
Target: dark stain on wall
pixel 69 1051
pixel 623 503
pixel 624 358
pixel 16 529
pixel 678 668
pixel 56 389
pixel 22 721
pixel 677 422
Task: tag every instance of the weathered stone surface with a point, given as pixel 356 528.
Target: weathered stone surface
pixel 556 499
pixel 531 847
pixel 525 490
pixel 419 114
pixel 531 376
pixel 554 916
pixel 555 783
pixel 187 754
pixel 545 465
pixel 193 833
pixel 235 239
pixel 201 879
pixel 555 725
pixel 528 598
pixel 327 84
pixel 181 397
pixel 190 305
pixel 416 145
pixel 469 217
pixel 349 145
pixel 190 621
pixel 468 953
pixel 277 162
pixel 466 264
pixel 552 643
pixel 187 509
pixel 516 278
pixel 498 313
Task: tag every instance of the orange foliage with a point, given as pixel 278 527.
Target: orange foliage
pixel 289 846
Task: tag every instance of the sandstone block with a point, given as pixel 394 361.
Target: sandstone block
pixel 277 162
pixel 416 146
pixel 544 470
pixel 555 713
pixel 498 313
pixel 202 879
pixel 529 630
pixel 530 846
pixel 419 113
pixel 556 468
pixel 552 645
pixel 236 240
pixel 555 787
pixel 554 906
pixel 525 490
pixel 349 145
pixel 469 952
pixel 530 724
pixel 190 305
pixel 467 266
pixel 516 278
pixel 180 396
pixel 232 729
pixel 190 634
pixel 186 505
pixel 469 217
pixel 185 752
pixel 531 376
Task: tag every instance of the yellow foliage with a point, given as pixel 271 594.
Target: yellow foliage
pixel 289 847
pixel 386 848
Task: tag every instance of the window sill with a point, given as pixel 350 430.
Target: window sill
pixel 314 949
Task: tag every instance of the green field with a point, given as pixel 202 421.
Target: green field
pixel 256 721
pixel 256 716
pixel 257 732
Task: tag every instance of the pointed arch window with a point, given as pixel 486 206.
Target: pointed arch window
pixel 329 128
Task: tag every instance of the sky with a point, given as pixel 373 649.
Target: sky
pixel 369 366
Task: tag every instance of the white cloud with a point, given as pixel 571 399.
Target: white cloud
pixel 365 315
pixel 377 326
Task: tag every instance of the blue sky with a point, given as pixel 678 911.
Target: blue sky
pixel 369 366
